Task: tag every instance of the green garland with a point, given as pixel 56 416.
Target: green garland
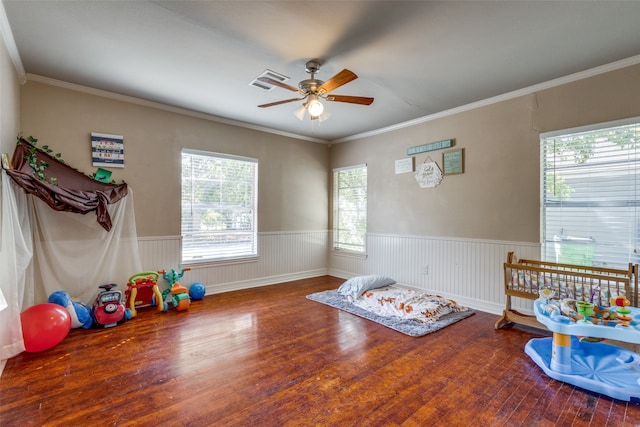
pixel 39 166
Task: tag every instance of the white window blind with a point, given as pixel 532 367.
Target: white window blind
pixel 591 195
pixel 350 208
pixel 219 207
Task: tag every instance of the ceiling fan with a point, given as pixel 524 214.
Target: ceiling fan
pixel 313 90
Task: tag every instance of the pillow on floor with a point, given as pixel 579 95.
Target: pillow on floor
pixel 355 286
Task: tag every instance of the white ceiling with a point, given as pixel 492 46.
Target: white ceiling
pixel 416 58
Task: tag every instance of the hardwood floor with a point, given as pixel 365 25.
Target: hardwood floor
pixel 270 357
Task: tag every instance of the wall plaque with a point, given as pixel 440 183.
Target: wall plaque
pixel 448 143
pixel 453 161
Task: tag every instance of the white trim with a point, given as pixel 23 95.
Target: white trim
pixel 219 288
pixel 284 232
pixel 634 60
pixel 348 253
pixel 219 155
pixel 10 43
pixel 454 239
pixel 344 168
pixel 208 263
pixel 591 127
pixel 154 238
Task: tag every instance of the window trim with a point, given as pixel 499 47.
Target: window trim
pixel 334 248
pixel 595 127
pixel 235 258
pixel 589 128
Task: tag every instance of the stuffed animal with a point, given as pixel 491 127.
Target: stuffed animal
pixel 80 313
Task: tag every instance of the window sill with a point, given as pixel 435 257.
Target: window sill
pixel 349 254
pixel 218 263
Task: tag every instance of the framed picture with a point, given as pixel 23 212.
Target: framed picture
pixel 453 161
pixel 107 151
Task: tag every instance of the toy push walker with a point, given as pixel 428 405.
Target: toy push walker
pixel 143 292
pixel 179 294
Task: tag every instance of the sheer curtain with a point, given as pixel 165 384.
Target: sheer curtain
pixel 16 250
pixel 44 250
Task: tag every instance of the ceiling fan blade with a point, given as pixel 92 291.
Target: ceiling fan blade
pixel 362 100
pixel 273 82
pixel 343 77
pixel 271 104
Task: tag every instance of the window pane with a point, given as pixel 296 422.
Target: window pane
pixel 219 195
pixel 591 196
pixel 350 209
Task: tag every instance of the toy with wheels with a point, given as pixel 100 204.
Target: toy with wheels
pixel 108 309
pixel 177 294
pixel 143 291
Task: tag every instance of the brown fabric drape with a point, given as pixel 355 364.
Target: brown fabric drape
pixel 74 192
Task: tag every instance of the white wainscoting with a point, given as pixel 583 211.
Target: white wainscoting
pixel 467 270
pixel 283 256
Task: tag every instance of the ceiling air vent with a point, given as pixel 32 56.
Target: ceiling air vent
pixel 270 74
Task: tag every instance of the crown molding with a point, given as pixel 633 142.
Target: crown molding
pixel 164 107
pixel 634 60
pixel 10 43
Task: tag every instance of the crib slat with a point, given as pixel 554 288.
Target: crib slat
pixel 525 278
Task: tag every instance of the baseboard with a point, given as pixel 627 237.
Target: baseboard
pixel 263 281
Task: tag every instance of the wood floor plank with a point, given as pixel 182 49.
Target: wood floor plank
pixel 269 357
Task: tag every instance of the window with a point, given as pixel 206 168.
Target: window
pixel 350 208
pixel 591 195
pixel 219 200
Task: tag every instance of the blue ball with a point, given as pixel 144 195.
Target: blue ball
pixel 197 290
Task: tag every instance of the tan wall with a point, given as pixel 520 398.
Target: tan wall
pixel 498 196
pixel 293 179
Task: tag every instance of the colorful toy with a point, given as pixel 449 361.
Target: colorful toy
pixel 585 309
pixel 143 291
pixel 623 312
pixel 179 295
pixel 594 366
pixel 80 313
pixel 108 309
pixel 197 291
pixel 44 326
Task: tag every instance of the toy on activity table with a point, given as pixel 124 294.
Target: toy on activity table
pixel 108 309
pixel 179 295
pixel 143 291
pixel 623 312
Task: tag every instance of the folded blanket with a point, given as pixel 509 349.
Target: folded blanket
pixel 406 303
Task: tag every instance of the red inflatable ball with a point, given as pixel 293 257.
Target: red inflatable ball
pixel 44 326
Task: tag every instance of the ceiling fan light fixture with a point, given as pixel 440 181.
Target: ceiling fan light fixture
pixel 314 106
pixel 300 112
pixel 324 116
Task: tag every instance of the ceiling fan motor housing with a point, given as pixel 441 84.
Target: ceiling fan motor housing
pixel 310 85
pixel 312 67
